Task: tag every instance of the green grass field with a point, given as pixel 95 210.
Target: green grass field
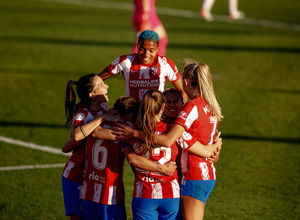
pixel 44 44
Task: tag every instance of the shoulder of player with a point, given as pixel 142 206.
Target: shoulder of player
pixel 80 116
pixel 199 101
pixel 123 58
pixel 200 104
pixel 167 64
pixel 189 108
pixel 81 111
pixel 165 60
pixel 103 108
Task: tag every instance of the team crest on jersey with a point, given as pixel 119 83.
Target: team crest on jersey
pixel 154 71
pixel 116 61
pixel 80 117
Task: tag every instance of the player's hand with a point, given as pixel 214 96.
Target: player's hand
pixel 218 141
pixel 112 118
pixel 218 145
pixel 111 111
pixel 215 156
pixel 124 131
pixel 169 168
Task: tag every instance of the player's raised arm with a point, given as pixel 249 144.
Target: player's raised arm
pixel 178 85
pixel 104 74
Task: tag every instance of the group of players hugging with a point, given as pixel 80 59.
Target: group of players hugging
pixel 169 137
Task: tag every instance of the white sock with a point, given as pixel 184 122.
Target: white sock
pixel 232 6
pixel 207 5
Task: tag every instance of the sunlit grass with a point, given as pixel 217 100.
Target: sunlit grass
pixel 256 80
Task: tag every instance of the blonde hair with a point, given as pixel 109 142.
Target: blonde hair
pixel 200 79
pixel 150 107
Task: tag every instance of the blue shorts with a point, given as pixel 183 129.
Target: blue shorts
pixel 92 210
pixel 155 208
pixel 71 191
pixel 198 189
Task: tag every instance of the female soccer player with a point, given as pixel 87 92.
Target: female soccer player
pixel 174 105
pixel 92 92
pixel 145 70
pixel 145 18
pixel 200 117
pixel 155 196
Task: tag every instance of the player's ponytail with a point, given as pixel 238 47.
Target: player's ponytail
pixel 150 108
pixel 201 81
pixel 70 101
pixel 83 87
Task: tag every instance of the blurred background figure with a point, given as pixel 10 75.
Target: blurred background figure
pixel 145 18
pixel 233 11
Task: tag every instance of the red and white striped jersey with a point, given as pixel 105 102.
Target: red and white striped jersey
pixel 103 182
pixel 155 185
pixel 139 78
pixel 198 122
pixel 74 168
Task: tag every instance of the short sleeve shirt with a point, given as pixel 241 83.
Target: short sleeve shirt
pixel 74 168
pixel 139 78
pixel 103 182
pixel 197 120
pixel 155 185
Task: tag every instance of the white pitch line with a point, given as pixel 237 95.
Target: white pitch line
pixel 33 146
pixel 38 166
pixel 181 13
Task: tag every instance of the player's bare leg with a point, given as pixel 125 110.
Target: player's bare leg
pixel 163 39
pixel 192 208
pixel 233 11
pixel 75 217
pixel 205 11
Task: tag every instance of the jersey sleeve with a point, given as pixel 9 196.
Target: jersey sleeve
pixel 173 73
pixel 186 140
pixel 80 118
pixel 187 116
pixel 116 66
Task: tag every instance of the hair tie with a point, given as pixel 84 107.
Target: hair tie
pixel 82 131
